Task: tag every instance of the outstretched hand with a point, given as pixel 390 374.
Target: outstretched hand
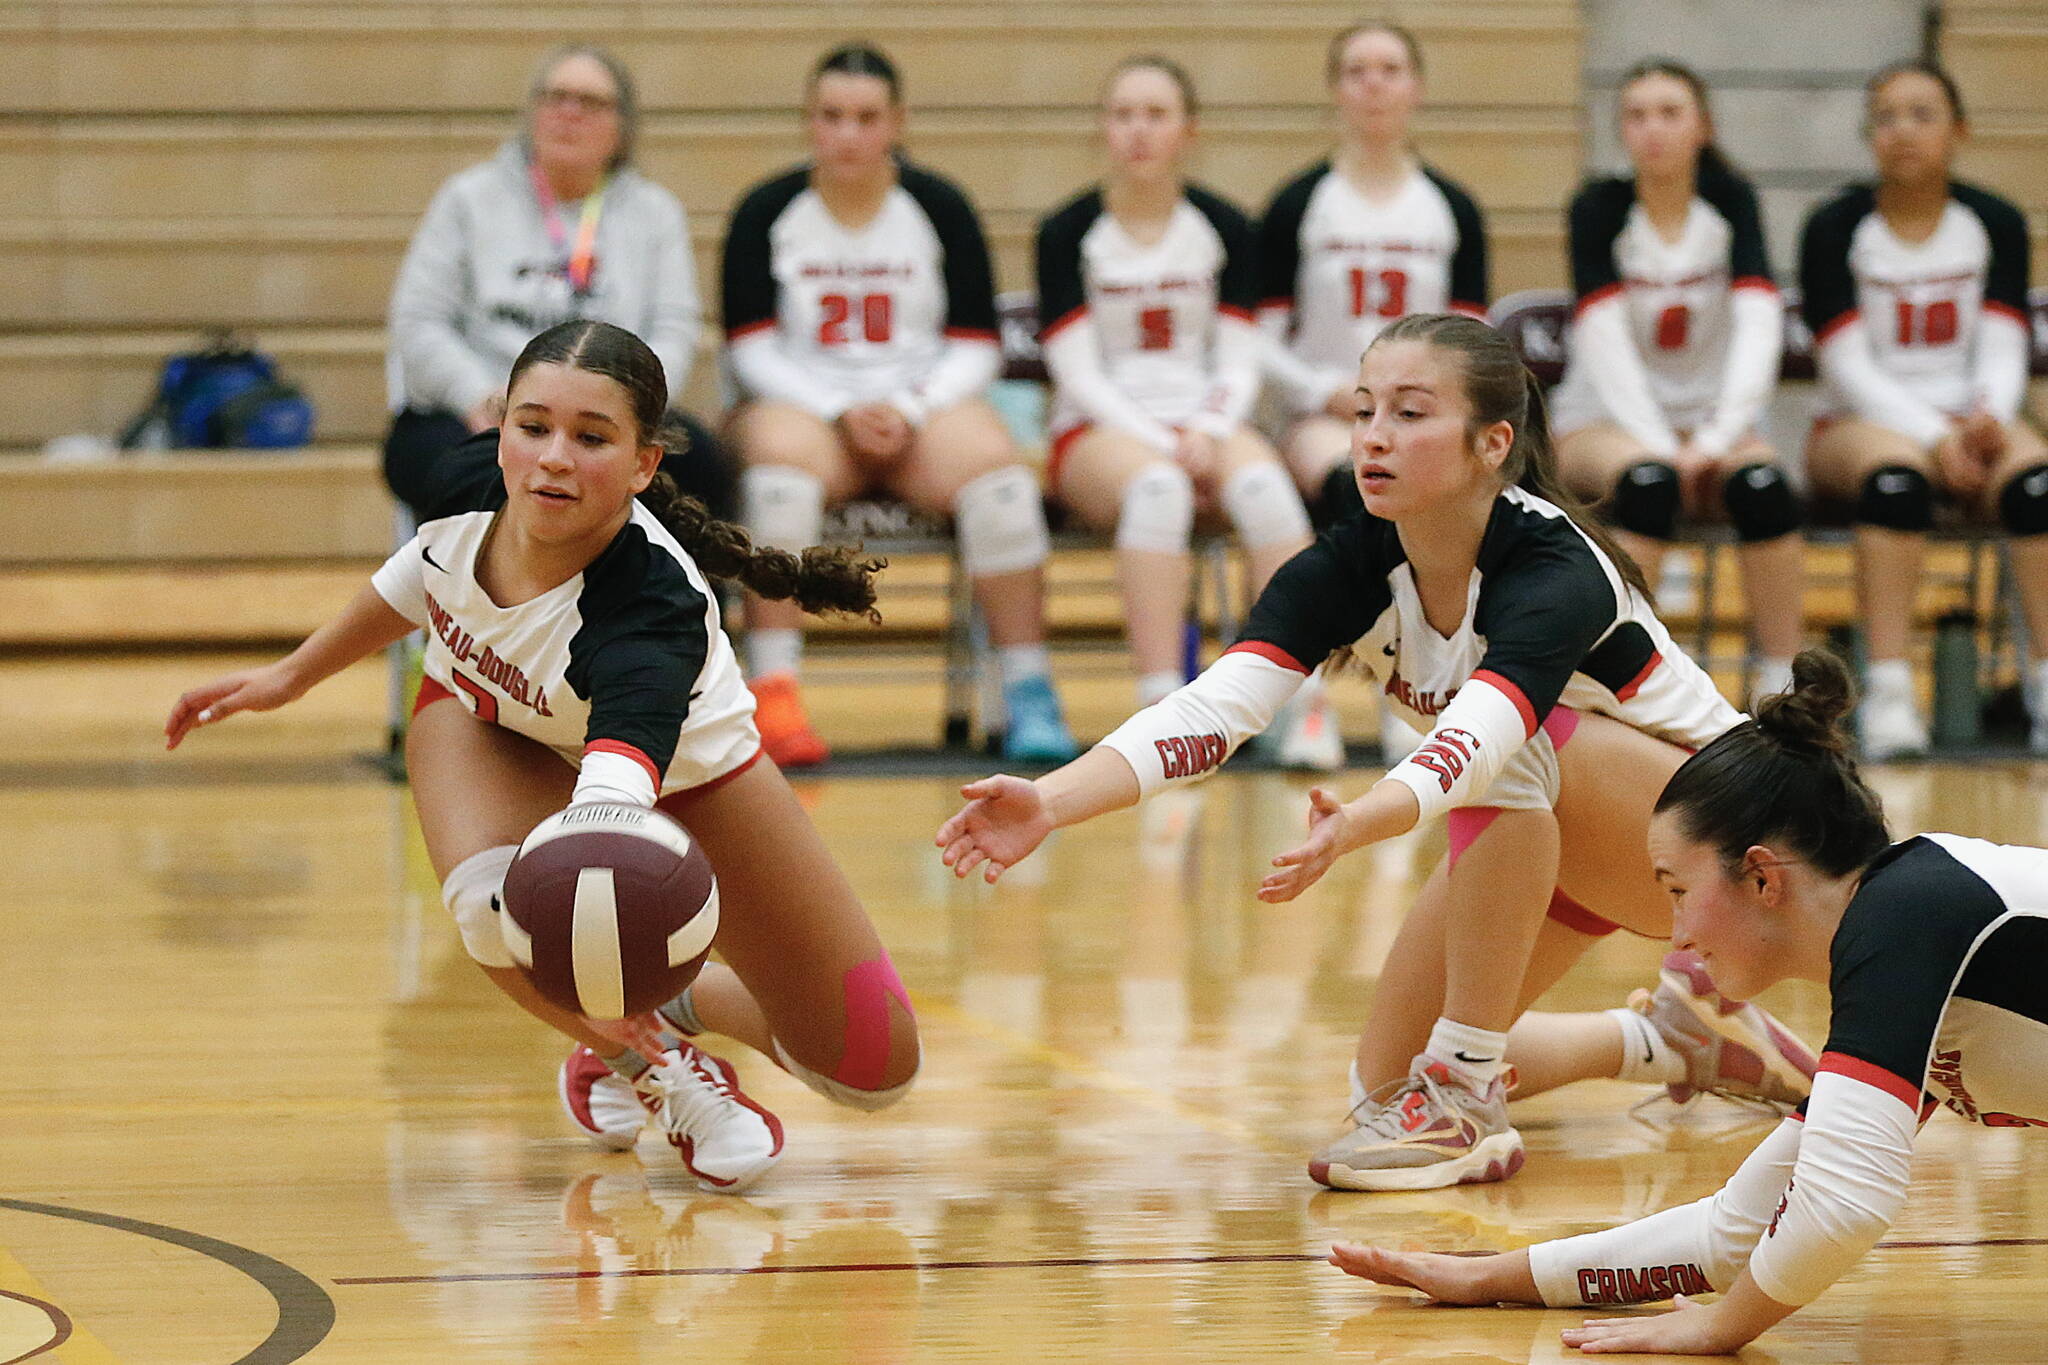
pixel 1004 819
pixel 1689 1329
pixel 255 689
pixel 1300 868
pixel 1461 1280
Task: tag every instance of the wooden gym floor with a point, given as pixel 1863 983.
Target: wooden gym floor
pixel 255 1105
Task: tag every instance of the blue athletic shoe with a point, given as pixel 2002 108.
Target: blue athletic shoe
pixel 1037 732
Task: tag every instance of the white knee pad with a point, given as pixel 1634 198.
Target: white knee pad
pixel 1001 522
pixel 839 1092
pixel 1158 511
pixel 781 506
pixel 1264 506
pixel 471 895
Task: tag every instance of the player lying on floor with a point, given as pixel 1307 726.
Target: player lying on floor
pixel 1779 867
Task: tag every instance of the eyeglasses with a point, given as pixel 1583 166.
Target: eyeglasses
pixel 584 101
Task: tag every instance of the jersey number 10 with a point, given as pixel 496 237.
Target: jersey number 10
pixel 1931 324
pixel 875 318
pixel 1389 300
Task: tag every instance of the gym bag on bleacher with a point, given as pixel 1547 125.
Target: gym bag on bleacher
pixel 225 395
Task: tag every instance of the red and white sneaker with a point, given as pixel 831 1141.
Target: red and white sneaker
pixel 1732 1049
pixel 1424 1132
pixel 726 1140
pixel 600 1102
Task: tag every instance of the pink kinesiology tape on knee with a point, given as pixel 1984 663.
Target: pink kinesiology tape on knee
pixel 865 1063
pixel 1559 725
pixel 1464 824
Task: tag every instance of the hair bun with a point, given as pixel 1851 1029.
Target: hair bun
pixel 1808 718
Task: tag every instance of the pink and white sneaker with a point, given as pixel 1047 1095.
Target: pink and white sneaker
pixel 1732 1049
pixel 600 1102
pixel 726 1140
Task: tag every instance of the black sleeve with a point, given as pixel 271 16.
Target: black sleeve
pixel 1735 200
pixel 643 643
pixel 1597 216
pixel 1545 602
pixel 1329 594
pixel 747 274
pixel 1826 287
pixel 1062 293
pixel 1469 284
pixel 463 478
pixel 970 279
pixel 1238 289
pixel 1903 939
pixel 2005 282
pixel 1280 237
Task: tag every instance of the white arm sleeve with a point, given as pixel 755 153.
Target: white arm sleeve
pixel 401 582
pixel 1305 387
pixel 1687 1250
pixel 1474 738
pixel 2001 368
pixel 1236 384
pixel 765 370
pixel 1851 367
pixel 1855 1163
pixel 1074 360
pixel 609 776
pixel 1600 336
pixel 966 367
pixel 1189 732
pixel 1756 340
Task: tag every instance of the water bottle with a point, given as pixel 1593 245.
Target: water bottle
pixel 1958 710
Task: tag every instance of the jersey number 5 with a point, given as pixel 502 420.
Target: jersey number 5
pixel 1389 300
pixel 876 312
pixel 483 703
pixel 1931 324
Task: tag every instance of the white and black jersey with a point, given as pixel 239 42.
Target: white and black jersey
pixel 1908 335
pixel 622 670
pixel 1149 337
pixel 900 310
pixel 1336 267
pixel 1548 620
pixel 1938 998
pixel 1671 336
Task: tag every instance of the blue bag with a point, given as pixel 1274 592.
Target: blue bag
pixel 226 395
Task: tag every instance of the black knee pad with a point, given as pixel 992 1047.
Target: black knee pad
pixel 1339 499
pixel 1761 503
pixel 1897 497
pixel 2023 506
pixel 1647 498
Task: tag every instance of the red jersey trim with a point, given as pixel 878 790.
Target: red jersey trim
pixel 1231 310
pixel 625 750
pixel 1633 685
pixel 1856 1069
pixel 1513 694
pixel 1064 321
pixel 741 333
pixel 1272 654
pixel 1596 298
pixel 1284 302
pixel 1469 309
pixel 1756 282
pixel 1835 325
pixel 2006 310
pixel 972 334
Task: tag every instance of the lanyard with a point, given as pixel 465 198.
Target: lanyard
pixel 583 258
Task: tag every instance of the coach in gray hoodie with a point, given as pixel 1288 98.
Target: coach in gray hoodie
pixel 556 226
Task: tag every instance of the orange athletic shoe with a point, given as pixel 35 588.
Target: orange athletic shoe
pixel 786 732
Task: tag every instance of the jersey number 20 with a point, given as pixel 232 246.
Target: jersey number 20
pixel 1931 324
pixel 875 318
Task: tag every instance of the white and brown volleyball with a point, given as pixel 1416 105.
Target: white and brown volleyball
pixel 610 909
